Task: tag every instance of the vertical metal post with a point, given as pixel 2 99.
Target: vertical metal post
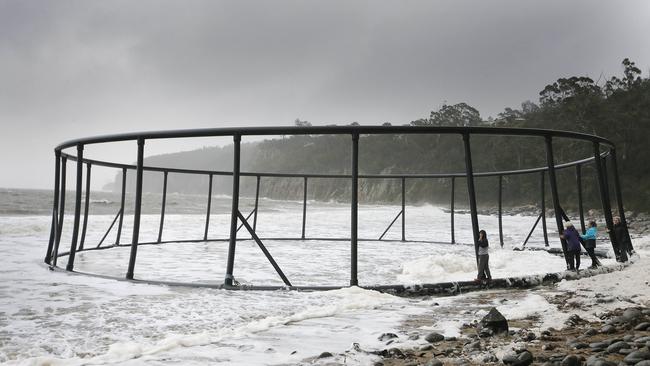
pixel 619 195
pixel 55 206
pixel 472 193
pixel 354 213
pixel 257 198
pixel 304 207
pixel 55 256
pixel 77 208
pixel 123 196
pixel 86 207
pixel 581 210
pixel 617 188
pixel 207 213
pixel 543 207
pixel 451 208
pixel 606 180
pixel 228 281
pixel 501 210
pixel 554 192
pixel 607 210
pixel 162 207
pixel 403 209
pixel 138 207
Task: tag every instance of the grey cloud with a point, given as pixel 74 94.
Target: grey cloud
pixel 78 68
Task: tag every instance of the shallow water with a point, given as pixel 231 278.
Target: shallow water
pixel 56 317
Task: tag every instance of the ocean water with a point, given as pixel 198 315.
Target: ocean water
pixel 57 318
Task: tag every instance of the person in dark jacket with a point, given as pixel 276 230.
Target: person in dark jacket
pixel 589 239
pixel 483 257
pixel 623 238
pixel 571 236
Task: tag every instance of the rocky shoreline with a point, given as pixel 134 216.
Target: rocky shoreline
pixel 620 337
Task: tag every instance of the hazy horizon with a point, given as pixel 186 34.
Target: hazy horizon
pixel 73 69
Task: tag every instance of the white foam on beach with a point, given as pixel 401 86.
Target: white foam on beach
pixel 56 318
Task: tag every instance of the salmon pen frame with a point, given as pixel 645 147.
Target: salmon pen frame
pixel 603 149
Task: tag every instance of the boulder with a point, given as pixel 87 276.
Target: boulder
pixel 495 321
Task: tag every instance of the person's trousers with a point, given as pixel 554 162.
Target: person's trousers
pixel 483 267
pixel 574 259
pixel 592 254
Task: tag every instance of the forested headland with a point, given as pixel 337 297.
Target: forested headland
pixel 617 109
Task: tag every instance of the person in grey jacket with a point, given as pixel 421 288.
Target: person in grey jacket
pixel 483 257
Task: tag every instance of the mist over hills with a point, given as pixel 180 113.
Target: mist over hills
pixel 619 110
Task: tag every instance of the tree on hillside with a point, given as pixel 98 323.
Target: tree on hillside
pixel 461 114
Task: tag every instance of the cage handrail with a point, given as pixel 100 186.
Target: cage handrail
pixel 333 130
pixel 333 176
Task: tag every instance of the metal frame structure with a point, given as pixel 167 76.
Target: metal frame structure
pixel 602 150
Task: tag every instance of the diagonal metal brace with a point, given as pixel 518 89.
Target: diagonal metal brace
pixel 391 224
pixel 264 250
pixel 533 228
pixel 247 217
pixel 119 213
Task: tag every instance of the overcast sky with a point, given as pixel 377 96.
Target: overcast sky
pixel 71 69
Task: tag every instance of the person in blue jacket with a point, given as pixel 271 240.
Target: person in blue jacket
pixel 589 239
pixel 572 238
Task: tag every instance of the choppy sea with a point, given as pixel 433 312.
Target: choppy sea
pixel 49 317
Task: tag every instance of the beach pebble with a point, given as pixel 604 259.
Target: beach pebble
pixel 387 336
pixel 490 357
pixel 549 347
pixel 395 352
pixel 434 362
pixel 570 360
pixel 631 314
pixel 472 346
pixel 642 326
pixel 434 337
pixel 595 361
pixel 579 345
pixel 325 355
pixel 590 332
pixel 615 347
pixel 608 329
pixel 522 359
pixel 636 357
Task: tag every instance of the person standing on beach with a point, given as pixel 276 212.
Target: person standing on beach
pixel 571 236
pixel 483 257
pixel 623 237
pixel 589 239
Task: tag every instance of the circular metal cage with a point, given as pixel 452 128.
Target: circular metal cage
pixel 602 149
